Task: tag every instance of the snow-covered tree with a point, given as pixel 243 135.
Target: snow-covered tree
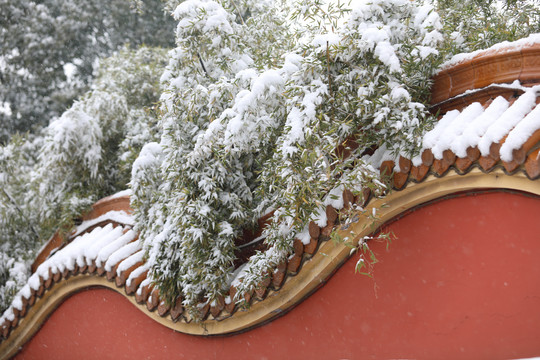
pixel 18 228
pixel 83 155
pixel 478 24
pixel 206 197
pixel 50 48
pixel 252 124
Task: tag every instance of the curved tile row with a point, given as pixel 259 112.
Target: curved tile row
pixel 501 132
pixel 115 252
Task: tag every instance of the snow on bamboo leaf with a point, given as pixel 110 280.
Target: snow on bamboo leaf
pixel 251 124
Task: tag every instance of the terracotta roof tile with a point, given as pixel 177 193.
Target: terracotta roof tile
pixel 177 309
pixel 262 288
pixel 418 173
pixel 111 274
pixel 293 263
pixel 427 157
pixel 141 295
pixel 510 166
pixel 314 229
pixel 507 131
pixel 217 307
pixel 278 275
pixel 41 289
pixel 92 268
pixel 163 308
pixel 230 306
pixel 203 311
pixel 15 322
pixel 473 153
pixel 532 164
pixel 487 162
pixel 449 157
pixel 405 164
pixel 298 247
pixel 440 166
pixel 124 275
pixel 463 164
pixel 248 296
pixel 48 283
pixel 366 196
pixel 6 327
pixel 520 154
pixel 400 179
pixel 100 270
pixel 494 149
pixel 386 168
pixel 215 311
pixel 312 246
pixel 132 284
pixel 331 215
pixel 348 199
pixel 153 300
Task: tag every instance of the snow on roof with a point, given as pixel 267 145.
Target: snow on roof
pixel 501 48
pixel 507 123
pixel 105 246
pixel 120 217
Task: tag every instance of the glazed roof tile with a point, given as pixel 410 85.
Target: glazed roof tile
pixel 500 131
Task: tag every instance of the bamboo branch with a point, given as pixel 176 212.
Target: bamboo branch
pixel 21 212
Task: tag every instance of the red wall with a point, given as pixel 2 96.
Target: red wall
pixel 462 280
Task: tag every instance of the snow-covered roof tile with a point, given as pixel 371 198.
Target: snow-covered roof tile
pixel 500 132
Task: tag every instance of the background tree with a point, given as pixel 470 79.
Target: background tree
pixel 478 24
pixel 50 49
pixel 47 181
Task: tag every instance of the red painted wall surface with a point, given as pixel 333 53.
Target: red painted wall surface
pixel 462 280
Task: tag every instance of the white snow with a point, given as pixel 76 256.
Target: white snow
pixel 137 272
pixel 320 217
pixel 304 236
pixel 502 47
pixel 120 194
pixel 381 155
pixel 103 244
pixel 321 42
pixel 119 244
pixel 120 217
pixel 510 118
pixel 237 275
pixel 432 137
pixel 122 253
pixel 455 128
pixel 335 198
pixel 143 283
pixel 477 127
pixel 93 249
pixel 519 135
